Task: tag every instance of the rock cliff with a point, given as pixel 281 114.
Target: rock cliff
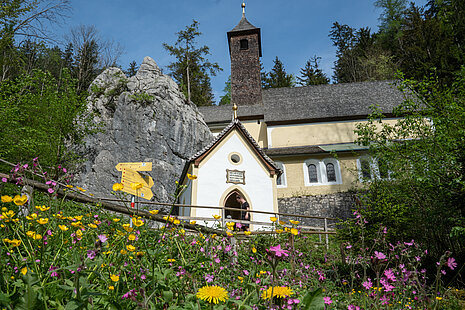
pixel 143 118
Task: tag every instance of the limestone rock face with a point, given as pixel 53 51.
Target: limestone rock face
pixel 144 118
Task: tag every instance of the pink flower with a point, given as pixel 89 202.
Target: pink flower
pixel 352 307
pixel 4 180
pixel 367 284
pixel 50 190
pixel 379 255
pixel 327 300
pixel 278 251
pixel 390 275
pixel 451 263
pixel 102 238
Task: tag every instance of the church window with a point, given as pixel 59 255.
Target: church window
pixel 371 168
pixel 330 172
pixel 281 180
pixel 244 44
pixel 312 173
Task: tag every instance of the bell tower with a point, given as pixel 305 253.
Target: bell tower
pixel 245 51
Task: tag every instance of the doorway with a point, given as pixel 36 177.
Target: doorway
pixel 231 202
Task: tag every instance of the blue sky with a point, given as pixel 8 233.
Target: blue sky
pixel 293 30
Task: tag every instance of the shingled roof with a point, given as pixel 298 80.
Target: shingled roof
pixel 314 103
pixel 233 124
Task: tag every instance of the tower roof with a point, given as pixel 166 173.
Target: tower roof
pixel 245 27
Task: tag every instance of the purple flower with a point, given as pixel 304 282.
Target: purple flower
pixel 91 254
pixel 451 263
pixel 4 180
pixel 379 255
pixel 387 287
pixel 390 275
pixel 102 238
pixel 367 284
pixel 327 300
pixel 209 278
pixel 278 251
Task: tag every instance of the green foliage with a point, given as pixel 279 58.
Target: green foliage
pixel 424 151
pixel 132 70
pixel 226 98
pixel 192 70
pixel 141 97
pixel 278 77
pixel 40 116
pixel 311 74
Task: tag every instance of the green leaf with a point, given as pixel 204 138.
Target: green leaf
pixel 314 300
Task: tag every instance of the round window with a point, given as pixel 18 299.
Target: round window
pixel 235 158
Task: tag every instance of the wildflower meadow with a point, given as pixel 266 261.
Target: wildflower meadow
pixel 60 254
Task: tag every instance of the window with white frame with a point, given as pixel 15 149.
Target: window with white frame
pixel 322 172
pixel 281 180
pixel 370 168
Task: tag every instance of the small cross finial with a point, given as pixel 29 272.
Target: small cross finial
pixel 243 8
pixel 235 111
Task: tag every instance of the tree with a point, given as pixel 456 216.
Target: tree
pixel 43 115
pixel 92 54
pixel 132 70
pixel 311 74
pixel 423 197
pixel 226 98
pixel 192 70
pixel 22 20
pixel 278 77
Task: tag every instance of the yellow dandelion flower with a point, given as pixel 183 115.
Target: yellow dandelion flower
pixel 117 187
pixel 193 222
pixel 278 291
pixel 247 233
pixel 128 227
pixel 24 271
pixel 79 217
pixel 42 221
pixel 137 221
pixel 154 212
pixel 438 298
pixel 287 229
pixel 294 231
pixel 171 260
pixel 182 232
pixel 214 236
pixel 282 222
pixel 6 199
pixel 42 208
pixel 191 176
pixel 114 278
pixel 76 224
pixel 229 234
pixel 30 234
pixel 130 247
pixel 111 287
pixel 69 186
pixel 294 222
pixel 212 294
pixel 240 279
pixel 176 222
pixel 254 250
pixel 273 219
pixel 116 220
pixel 136 186
pixel 279 231
pixel 132 237
pixel 37 237
pixel 79 234
pixel 91 225
pixel 216 217
pixel 123 252
pixel 63 227
pixel 32 216
pixel 15 242
pixel 140 254
pixel 20 200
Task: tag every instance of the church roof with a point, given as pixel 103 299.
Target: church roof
pixel 243 25
pixel 314 103
pixel 197 157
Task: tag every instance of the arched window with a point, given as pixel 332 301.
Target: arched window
pixel 312 173
pixel 330 172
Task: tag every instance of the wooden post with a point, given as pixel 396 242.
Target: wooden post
pixel 326 235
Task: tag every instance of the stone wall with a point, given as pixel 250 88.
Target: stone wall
pixel 338 205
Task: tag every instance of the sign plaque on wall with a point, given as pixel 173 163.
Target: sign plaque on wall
pixel 235 176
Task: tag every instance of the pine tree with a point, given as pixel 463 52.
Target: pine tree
pixel 311 74
pixel 278 77
pixel 226 98
pixel 132 70
pixel 192 70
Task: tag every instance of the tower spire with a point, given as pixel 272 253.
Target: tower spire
pixel 243 8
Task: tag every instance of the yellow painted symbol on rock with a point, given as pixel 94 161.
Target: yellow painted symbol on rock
pixel 131 176
pixel 141 166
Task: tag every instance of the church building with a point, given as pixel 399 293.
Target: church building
pixel 288 150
